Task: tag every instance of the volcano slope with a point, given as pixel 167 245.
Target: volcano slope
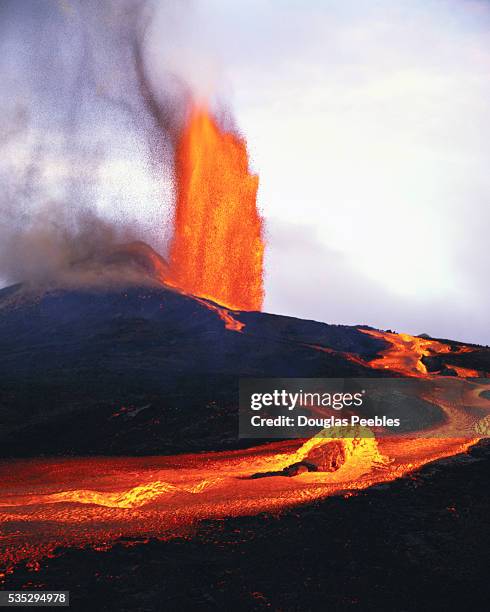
pixel 145 370
pixel 418 543
pixel 140 370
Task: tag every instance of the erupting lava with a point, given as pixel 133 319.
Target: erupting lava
pixel 217 254
pixel 217 249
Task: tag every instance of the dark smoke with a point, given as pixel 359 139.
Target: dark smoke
pixel 58 246
pixel 77 88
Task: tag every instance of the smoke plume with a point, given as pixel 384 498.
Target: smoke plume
pixel 79 99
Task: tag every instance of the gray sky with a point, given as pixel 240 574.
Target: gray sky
pixel 367 122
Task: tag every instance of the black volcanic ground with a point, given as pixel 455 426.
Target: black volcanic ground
pixel 419 543
pixel 143 370
pixel 146 370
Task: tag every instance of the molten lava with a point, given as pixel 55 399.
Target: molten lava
pixel 230 322
pixel 48 503
pixel 217 249
pixel 404 354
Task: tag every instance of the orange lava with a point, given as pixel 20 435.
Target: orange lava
pixel 224 314
pixel 217 249
pixel 48 503
pixel 465 372
pixel 405 352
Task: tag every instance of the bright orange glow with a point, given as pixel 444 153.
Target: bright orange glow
pixel 217 249
pixel 405 352
pixel 96 501
pixel 465 372
pixel 229 320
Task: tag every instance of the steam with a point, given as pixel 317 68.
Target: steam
pixel 57 245
pixel 81 99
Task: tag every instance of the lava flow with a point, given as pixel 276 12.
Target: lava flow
pixel 217 249
pixel 48 503
pixel 224 314
pixel 404 354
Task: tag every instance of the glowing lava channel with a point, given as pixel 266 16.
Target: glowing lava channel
pixel 47 503
pixel 405 352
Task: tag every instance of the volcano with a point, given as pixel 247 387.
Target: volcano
pixel 119 410
pixel 135 366
pixel 141 367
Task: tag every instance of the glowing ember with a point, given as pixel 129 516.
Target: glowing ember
pixel 217 249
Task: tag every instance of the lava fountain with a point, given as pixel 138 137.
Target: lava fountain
pixel 217 249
